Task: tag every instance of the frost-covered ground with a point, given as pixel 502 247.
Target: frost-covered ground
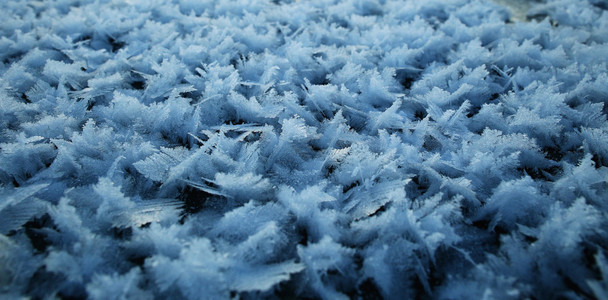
pixel 208 149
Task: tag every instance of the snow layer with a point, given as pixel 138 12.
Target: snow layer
pixel 206 149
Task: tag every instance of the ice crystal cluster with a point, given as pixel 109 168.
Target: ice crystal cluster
pixel 202 149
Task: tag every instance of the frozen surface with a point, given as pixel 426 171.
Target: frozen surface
pixel 518 8
pixel 202 149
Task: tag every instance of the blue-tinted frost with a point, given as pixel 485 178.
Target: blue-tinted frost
pixel 197 149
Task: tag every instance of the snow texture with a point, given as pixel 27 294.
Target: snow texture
pixel 199 149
